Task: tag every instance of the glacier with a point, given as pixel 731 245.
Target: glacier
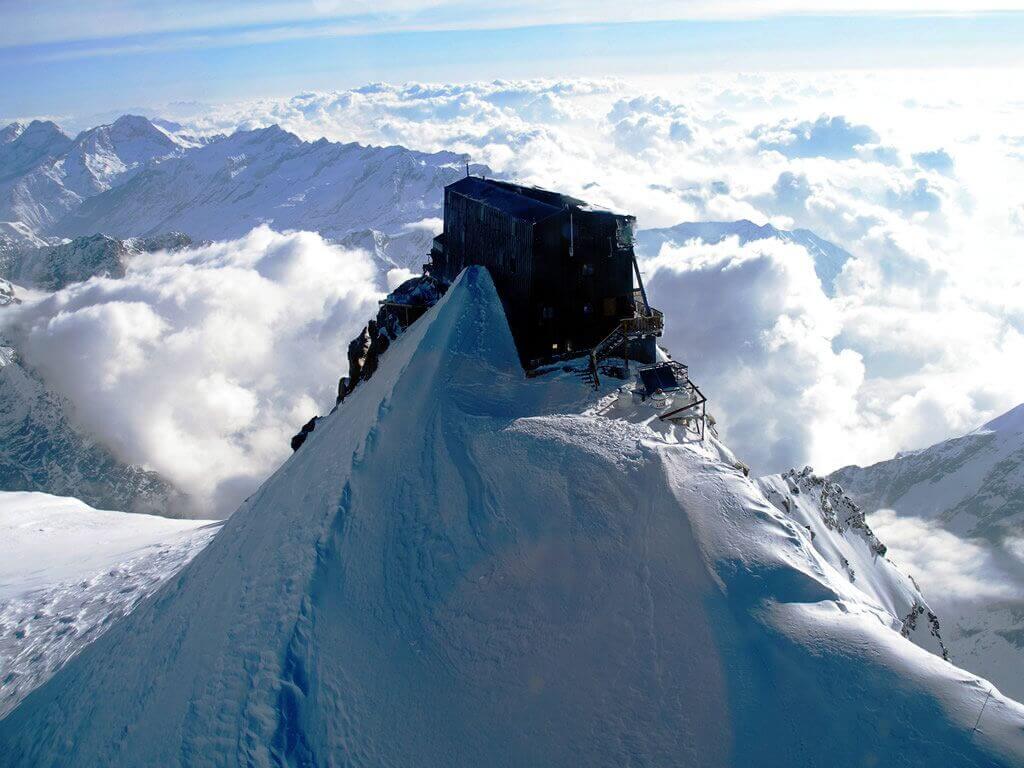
pixel 462 566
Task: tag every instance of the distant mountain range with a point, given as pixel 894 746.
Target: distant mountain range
pixel 135 177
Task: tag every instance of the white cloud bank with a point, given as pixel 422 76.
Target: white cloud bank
pixel 954 570
pixel 201 363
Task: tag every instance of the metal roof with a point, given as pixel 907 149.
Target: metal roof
pixel 504 198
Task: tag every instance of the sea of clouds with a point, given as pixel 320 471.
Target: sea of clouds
pixel 915 173
pixel 207 360
pixel 201 363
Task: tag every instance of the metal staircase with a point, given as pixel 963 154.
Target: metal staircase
pixel 640 326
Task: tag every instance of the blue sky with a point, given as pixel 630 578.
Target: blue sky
pixel 67 59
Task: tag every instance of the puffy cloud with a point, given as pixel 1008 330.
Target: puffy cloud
pixel 923 338
pixel 935 160
pixel 757 329
pixel 201 363
pixel 833 137
pixel 954 570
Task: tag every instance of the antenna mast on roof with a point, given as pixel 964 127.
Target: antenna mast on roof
pixel 467 169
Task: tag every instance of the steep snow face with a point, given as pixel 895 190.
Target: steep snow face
pixel 959 505
pixel 103 154
pixel 68 571
pixel 42 448
pixel 829 258
pixel 845 543
pixel 465 567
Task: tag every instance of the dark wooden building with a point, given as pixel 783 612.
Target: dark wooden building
pixel 564 270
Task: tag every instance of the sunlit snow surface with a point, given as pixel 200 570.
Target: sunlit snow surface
pixel 462 566
pixel 952 515
pixel 68 570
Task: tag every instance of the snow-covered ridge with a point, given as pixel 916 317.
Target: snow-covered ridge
pixel 465 567
pixel 841 536
pixel 68 572
pixel 974 483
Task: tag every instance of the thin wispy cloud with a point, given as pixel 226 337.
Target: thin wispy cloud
pixel 113 27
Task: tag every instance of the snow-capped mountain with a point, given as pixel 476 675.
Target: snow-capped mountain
pixel 25 147
pixel 270 176
pixel 52 267
pixel 53 604
pixel 44 175
pixel 462 566
pixel 406 249
pixel 828 257
pixel 138 177
pixel 42 449
pixel 974 484
pixel 973 487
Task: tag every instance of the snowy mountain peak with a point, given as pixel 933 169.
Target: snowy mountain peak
pixel 39 141
pixel 1011 422
pixel 130 130
pixel 42 133
pixel 10 132
pixel 397 594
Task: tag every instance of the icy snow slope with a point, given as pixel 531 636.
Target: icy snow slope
pixel 465 567
pixel 973 488
pixel 68 570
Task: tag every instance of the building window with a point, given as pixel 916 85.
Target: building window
pixel 624 232
pixel 588 269
pixel 548 313
pixel 588 310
